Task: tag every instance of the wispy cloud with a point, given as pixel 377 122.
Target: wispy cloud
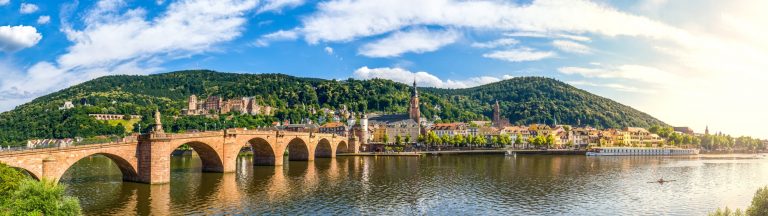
pixel 423 78
pixel 278 5
pixel 519 55
pixel 28 8
pixel 416 41
pixel 502 42
pixel 42 20
pixel 112 42
pixel 633 73
pixel 571 47
pixel 280 35
pixel 612 86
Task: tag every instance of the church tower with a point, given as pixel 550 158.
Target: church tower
pixel 496 114
pixel 413 110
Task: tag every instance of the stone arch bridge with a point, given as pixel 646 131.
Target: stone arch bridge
pixel 147 159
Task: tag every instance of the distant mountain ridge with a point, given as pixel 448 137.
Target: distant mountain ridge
pixel 523 100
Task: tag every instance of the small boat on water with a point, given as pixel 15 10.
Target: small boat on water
pixel 662 181
pixel 510 153
pixel 639 151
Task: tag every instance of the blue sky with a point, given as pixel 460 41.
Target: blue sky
pixel 687 62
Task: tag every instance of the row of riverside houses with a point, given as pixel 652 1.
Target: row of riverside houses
pixel 386 129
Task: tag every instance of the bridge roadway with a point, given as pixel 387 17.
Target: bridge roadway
pixel 147 158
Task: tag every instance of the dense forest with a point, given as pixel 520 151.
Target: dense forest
pixel 523 100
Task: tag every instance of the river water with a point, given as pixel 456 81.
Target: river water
pixel 432 185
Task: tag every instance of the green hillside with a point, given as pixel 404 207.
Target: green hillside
pixel 523 100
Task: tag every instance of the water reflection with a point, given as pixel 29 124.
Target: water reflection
pixel 539 185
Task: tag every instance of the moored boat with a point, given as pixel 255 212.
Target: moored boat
pixel 639 151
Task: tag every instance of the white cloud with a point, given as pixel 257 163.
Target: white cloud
pixel 4 2
pixel 280 35
pixel 15 38
pixel 519 55
pixel 343 20
pixel 42 20
pixel 329 50
pixel 416 41
pixel 548 35
pixel 28 8
pixel 613 86
pixel 422 78
pixel 277 5
pixel 112 42
pixel 496 43
pixel 571 47
pixel 627 72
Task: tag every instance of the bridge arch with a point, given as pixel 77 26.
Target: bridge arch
pixel 324 149
pixel 263 152
pixel 298 150
pixel 342 147
pixel 27 172
pixel 211 161
pixel 127 168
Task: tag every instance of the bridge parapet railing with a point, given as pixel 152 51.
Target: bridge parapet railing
pixel 191 135
pixel 22 149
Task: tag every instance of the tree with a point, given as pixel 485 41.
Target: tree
pixel 10 179
pixel 550 140
pixel 518 139
pixel 408 138
pixel 505 140
pixel 20 195
pixel 758 207
pixel 531 141
pixel 447 140
pixel 385 139
pixel 458 139
pixel 495 140
pixel 398 140
pixel 470 140
pixel 41 198
pixel 480 140
pixel 759 204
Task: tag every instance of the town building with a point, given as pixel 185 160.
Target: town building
pixel 67 105
pixel 309 128
pixel 337 128
pixel 639 137
pixel 112 116
pixel 684 130
pixel 449 129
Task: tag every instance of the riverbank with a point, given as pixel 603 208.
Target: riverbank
pixel 471 152
pixel 380 154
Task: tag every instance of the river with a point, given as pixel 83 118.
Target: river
pixel 433 185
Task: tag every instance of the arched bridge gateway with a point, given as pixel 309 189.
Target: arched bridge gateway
pixel 147 159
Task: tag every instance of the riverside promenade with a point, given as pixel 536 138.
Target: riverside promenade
pixel 470 152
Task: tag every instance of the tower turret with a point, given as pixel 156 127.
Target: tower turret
pixel 413 110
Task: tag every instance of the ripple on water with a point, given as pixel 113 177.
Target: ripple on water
pixel 444 185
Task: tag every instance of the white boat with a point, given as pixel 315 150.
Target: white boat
pixel 627 151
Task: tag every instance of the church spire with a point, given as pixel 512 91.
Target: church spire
pixel 413 110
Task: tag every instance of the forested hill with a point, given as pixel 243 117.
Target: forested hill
pixel 523 100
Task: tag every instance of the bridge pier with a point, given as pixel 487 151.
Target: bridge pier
pixel 154 167
pixel 147 159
